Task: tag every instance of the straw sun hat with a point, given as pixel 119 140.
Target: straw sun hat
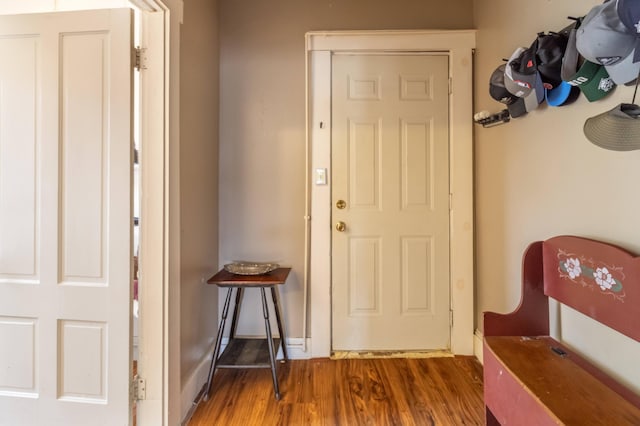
pixel 617 129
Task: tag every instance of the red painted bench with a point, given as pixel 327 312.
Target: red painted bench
pixel 531 378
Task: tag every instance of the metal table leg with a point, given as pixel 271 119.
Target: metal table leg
pixel 216 350
pixel 272 354
pixel 276 306
pixel 236 312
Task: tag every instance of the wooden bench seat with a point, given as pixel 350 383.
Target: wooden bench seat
pixel 557 389
pixel 531 378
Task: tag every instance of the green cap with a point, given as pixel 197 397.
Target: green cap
pixel 593 80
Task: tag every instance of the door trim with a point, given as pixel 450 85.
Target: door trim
pixel 154 332
pixel 459 45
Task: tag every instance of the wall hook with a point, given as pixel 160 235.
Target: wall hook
pixel 490 120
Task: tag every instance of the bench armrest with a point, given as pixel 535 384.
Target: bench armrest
pixel 531 317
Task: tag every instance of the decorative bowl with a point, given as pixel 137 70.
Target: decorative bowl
pixel 250 268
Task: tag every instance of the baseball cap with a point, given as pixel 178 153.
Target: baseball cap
pixel 571 59
pixel 516 106
pixel 521 76
pixel 629 14
pixel 617 129
pixel 604 39
pixel 562 94
pixel 550 50
pixel 593 81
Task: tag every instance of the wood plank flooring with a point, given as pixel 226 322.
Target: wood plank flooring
pixel 377 392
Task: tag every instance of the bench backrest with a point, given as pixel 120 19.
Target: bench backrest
pixel 598 279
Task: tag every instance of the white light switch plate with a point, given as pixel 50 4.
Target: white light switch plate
pixel 321 176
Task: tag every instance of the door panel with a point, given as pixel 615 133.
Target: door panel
pixel 18 145
pixel 390 164
pixel 65 218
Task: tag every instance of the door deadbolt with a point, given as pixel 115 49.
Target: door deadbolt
pixel 341 226
pixel 341 204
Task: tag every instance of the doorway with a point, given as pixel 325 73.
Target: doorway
pixel 458 45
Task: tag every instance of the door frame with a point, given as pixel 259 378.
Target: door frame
pixel 459 45
pixel 156 335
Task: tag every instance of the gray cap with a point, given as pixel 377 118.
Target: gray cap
pixel 570 58
pixel 516 105
pixel 524 85
pixel 604 39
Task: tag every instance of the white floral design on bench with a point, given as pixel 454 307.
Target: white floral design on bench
pixel 572 267
pixel 604 279
pixel 592 274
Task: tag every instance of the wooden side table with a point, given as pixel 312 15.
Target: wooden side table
pixel 249 352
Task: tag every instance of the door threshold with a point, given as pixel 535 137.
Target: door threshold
pixel 390 354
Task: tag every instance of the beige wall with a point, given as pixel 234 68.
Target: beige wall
pixel 262 133
pixel 198 182
pixel 538 176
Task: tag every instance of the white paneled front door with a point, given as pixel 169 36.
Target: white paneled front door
pixel 390 202
pixel 65 218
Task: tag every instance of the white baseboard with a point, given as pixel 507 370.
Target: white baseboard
pixel 193 386
pixel 477 345
pixel 296 348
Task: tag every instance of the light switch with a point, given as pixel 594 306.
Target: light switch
pixel 321 176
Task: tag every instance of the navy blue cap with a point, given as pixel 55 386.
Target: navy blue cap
pixel 629 14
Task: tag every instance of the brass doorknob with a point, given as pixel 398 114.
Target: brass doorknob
pixel 341 226
pixel 341 204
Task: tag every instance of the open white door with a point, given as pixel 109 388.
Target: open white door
pixel 65 218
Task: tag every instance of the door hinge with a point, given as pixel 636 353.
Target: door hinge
pixel 139 388
pixel 140 58
pixel 451 319
pixel 450 85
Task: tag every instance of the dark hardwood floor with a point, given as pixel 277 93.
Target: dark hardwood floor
pixel 377 392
